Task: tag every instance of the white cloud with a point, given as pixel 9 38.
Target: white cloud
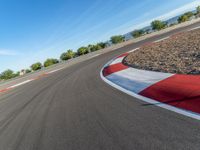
pixel 4 52
pixel 180 10
pixel 188 7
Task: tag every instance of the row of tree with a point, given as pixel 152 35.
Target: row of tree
pixel 69 54
pixel 8 74
pixel 188 15
pixel 159 25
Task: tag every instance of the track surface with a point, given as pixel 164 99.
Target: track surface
pixel 74 109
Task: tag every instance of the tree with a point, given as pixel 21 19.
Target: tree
pixel 67 55
pixel 82 51
pixel 117 39
pixel 183 18
pixel 189 14
pixel 102 45
pixel 50 62
pixel 137 33
pixel 96 47
pixel 27 70
pixel 90 47
pixel 198 10
pixel 158 25
pixel 8 74
pixel 36 66
pixel 16 74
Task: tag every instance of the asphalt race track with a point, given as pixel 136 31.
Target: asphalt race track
pixel 73 109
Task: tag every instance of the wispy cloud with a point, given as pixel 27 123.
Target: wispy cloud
pixel 4 52
pixel 131 26
pixel 180 10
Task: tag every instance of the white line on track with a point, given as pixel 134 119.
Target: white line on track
pixel 134 50
pixel 24 82
pixel 161 39
pixel 194 28
pixel 55 70
pixel 95 55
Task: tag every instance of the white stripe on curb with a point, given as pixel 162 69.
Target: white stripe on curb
pixel 136 80
pixel 116 61
pixel 151 101
pixel 120 59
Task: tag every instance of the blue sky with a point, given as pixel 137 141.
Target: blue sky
pixel 33 30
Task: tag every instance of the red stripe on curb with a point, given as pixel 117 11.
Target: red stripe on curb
pixel 113 68
pixel 123 55
pixel 182 91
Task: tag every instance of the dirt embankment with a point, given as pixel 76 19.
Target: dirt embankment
pixel 180 54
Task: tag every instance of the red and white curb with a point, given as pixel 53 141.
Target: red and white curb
pixel 27 81
pixel 178 93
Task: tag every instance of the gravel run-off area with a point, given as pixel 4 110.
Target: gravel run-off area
pixel 179 54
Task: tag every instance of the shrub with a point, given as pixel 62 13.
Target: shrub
pixel 117 39
pixel 158 25
pixel 50 62
pixel 7 74
pixel 67 55
pixel 137 33
pixel 82 51
pixel 36 66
